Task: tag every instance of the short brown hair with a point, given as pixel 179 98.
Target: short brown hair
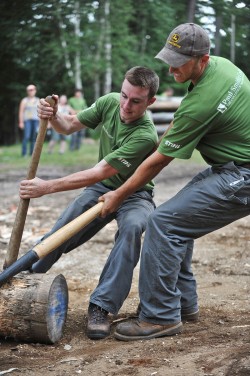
pixel 143 77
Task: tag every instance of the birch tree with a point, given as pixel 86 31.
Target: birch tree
pixel 107 49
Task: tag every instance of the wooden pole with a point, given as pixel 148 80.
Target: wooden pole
pixel 17 231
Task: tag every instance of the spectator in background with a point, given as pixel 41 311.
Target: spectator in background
pixel 65 109
pixel 168 92
pixel 28 119
pixel 78 103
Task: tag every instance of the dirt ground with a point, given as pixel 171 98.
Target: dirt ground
pixel 219 344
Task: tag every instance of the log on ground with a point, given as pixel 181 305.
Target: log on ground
pixel 33 307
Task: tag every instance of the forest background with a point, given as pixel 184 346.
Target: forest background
pixel 62 44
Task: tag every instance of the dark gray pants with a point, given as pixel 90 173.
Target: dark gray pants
pixel 213 199
pixel 116 277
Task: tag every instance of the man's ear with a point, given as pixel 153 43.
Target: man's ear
pixel 205 58
pixel 151 101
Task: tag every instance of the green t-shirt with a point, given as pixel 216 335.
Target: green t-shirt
pixel 123 146
pixel 214 117
pixel 77 104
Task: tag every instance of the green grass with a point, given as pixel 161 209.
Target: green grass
pixel 87 155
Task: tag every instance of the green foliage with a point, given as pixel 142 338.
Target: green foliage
pixel 225 10
pixel 40 45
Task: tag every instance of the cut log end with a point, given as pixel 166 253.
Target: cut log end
pixel 33 308
pixel 57 308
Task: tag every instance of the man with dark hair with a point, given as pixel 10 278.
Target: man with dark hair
pixel 213 118
pixel 127 137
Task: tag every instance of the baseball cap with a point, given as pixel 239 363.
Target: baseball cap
pixel 184 42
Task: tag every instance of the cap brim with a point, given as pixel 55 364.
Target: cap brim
pixel 172 58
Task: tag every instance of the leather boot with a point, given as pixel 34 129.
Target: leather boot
pixel 138 330
pixel 98 326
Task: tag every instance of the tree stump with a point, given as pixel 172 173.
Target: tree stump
pixel 33 307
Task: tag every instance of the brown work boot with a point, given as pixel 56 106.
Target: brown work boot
pixel 98 324
pixel 189 316
pixel 137 330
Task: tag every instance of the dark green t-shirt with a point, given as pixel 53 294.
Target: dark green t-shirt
pixel 123 146
pixel 214 117
pixel 77 104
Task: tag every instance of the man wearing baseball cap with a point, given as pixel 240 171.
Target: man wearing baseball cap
pixel 183 43
pixel 214 119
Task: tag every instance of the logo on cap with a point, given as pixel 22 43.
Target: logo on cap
pixel 174 40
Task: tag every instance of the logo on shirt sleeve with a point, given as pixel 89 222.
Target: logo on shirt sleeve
pixel 124 161
pixel 172 145
pixel 222 108
pixel 232 92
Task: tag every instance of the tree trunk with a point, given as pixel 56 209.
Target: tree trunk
pixel 108 50
pixel 65 52
pixel 78 78
pixel 218 24
pixel 33 308
pixel 97 57
pixel 232 49
pixel 97 86
pixel 191 10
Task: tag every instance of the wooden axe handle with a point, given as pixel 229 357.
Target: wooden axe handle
pixel 66 232
pixel 48 245
pixel 17 231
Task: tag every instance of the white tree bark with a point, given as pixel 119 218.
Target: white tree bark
pixel 232 49
pixel 68 65
pixel 108 49
pixel 78 78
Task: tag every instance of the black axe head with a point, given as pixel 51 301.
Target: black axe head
pixel 22 264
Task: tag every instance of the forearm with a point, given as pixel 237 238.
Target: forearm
pixel 20 113
pixel 144 173
pixel 65 124
pixel 37 187
pixel 77 180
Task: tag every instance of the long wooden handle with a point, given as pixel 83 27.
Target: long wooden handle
pixel 17 231
pixel 66 232
pixel 48 245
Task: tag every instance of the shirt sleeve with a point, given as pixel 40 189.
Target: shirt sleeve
pixel 91 116
pixel 182 138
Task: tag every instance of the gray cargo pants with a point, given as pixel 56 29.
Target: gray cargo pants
pixel 116 277
pixel 213 199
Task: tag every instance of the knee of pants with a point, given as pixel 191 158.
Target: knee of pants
pixel 132 228
pixel 158 220
pixel 167 220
